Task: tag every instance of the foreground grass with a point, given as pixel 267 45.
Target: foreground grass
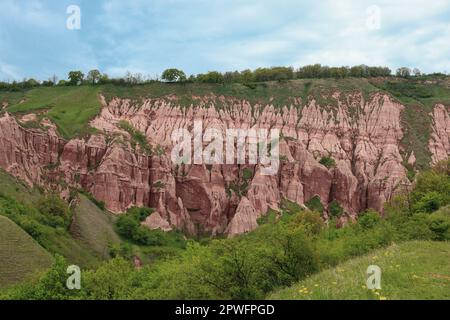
pixel 411 270
pixel 20 255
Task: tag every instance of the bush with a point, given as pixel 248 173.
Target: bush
pixel 140 213
pixel 293 257
pixel 315 204
pixel 369 219
pixel 328 162
pixel 439 224
pixel 311 220
pixel 122 250
pixel 144 236
pixel 127 226
pixel 55 210
pixel 335 209
pixel 428 202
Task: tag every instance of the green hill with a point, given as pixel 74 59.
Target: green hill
pixel 18 202
pixel 20 255
pixel 93 227
pixel 411 270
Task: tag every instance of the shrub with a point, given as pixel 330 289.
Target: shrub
pixel 123 250
pixel 311 220
pixel 293 257
pixel 140 213
pixel 315 204
pixel 126 226
pixel 328 162
pixel 439 224
pixel 55 210
pixel 335 209
pixel 368 219
pixel 428 202
pixel 247 174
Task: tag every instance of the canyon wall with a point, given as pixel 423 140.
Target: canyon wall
pixel 362 135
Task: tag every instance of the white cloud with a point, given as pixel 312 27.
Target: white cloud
pixel 201 35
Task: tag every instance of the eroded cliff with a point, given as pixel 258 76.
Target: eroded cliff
pixel 362 134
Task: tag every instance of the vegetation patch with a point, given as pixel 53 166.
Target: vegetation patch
pixel 137 136
pixel 70 108
pixel 315 204
pixel 411 270
pixel 327 162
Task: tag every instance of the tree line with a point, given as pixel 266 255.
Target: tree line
pixel 172 75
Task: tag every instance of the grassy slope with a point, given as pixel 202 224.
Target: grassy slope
pixel 20 255
pixel 94 227
pixel 411 270
pixel 70 108
pixel 55 241
pixel 14 188
pixel 11 98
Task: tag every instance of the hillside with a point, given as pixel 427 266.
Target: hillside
pixel 411 270
pixel 93 227
pixel 22 204
pixel 351 143
pixel 20 255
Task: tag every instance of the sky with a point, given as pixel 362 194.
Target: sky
pixel 148 36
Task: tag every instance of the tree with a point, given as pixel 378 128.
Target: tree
pixel 417 72
pixel 75 77
pixel 173 75
pixel 104 79
pixel 210 77
pixel 93 76
pixel 403 72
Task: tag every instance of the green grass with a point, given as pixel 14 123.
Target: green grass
pixel 277 93
pixel 17 189
pixel 94 227
pixel 411 270
pixel 70 108
pixel 20 255
pixel 11 97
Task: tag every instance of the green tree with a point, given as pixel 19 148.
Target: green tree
pixel 75 77
pixel 93 76
pixel 173 75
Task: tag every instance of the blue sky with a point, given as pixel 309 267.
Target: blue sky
pixel 148 36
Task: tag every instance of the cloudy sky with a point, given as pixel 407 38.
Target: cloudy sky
pixel 148 36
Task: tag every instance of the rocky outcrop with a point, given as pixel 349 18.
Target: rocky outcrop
pixel 440 136
pixel 361 134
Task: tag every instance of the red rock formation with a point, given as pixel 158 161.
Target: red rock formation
pixel 362 136
pixel 440 137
